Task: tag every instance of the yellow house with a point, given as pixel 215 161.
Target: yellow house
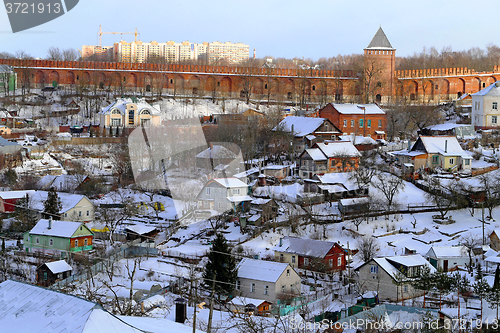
pixel 129 112
pixel 437 151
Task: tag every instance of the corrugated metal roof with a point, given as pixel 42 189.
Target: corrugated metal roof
pixel 380 41
pixel 28 308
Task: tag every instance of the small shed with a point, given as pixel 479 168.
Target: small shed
pixel 353 205
pixel 144 232
pixel 50 272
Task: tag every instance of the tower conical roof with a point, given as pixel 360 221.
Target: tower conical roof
pixel 380 41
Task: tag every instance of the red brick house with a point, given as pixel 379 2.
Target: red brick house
pixel 8 199
pixel 311 254
pixel 357 119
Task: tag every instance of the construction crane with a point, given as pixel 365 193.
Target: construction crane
pixel 100 33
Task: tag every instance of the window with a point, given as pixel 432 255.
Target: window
pixel 493 119
pixel 37 240
pixel 495 106
pixel 374 269
pixel 115 122
pixel 452 161
pixel 51 242
pixel 352 122
pixel 86 242
pixel 252 288
pixel 380 124
pixel 220 205
pixel 345 122
pixel 291 288
pixel 88 213
pixel 80 214
pixel 131 117
pixel 65 214
pixel 361 123
pixel 45 276
pixel 76 242
pixel 283 289
pixel 435 159
pixel 369 123
pixel 330 262
pixel 208 190
pixel 238 285
pixel 406 288
pixel 266 290
pixel 281 257
pixel 339 261
pixel 236 191
pixel 293 257
pixel 467 162
pixel 306 261
pixel 288 272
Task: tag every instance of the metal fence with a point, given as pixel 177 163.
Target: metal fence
pixel 122 252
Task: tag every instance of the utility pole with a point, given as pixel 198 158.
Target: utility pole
pixel 482 208
pixel 209 327
pixel 194 314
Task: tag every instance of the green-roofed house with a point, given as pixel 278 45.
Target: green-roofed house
pixel 58 237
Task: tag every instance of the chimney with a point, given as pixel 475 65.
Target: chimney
pixel 281 242
pixel 409 145
pixel 445 146
pixel 50 223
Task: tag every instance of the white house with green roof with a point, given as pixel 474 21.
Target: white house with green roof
pixel 58 237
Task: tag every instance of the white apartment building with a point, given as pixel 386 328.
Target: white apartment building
pixel 232 52
pixel 170 51
pixel 485 107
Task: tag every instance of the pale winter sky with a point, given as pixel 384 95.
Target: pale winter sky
pixel 278 28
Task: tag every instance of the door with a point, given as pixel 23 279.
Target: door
pixel 445 266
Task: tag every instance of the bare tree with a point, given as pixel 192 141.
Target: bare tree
pixel 368 248
pixel 389 185
pixel 469 242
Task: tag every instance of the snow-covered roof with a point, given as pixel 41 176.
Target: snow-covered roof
pixel 58 266
pixel 240 198
pixel 305 247
pixel 261 270
pixel 28 308
pixel 246 300
pixel 302 126
pixel 413 260
pixel 445 127
pixel 216 152
pixel 16 194
pixel 353 201
pixel 358 108
pixel 493 90
pixel 68 200
pixel 344 178
pixel 316 154
pixel 230 182
pixel 121 105
pixel 276 167
pixel 260 201
pixel 446 251
pixel 337 148
pixel 4 142
pixel 140 229
pixel 63 229
pixel 437 145
pixel 359 139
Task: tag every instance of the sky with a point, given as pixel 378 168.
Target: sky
pixel 278 28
